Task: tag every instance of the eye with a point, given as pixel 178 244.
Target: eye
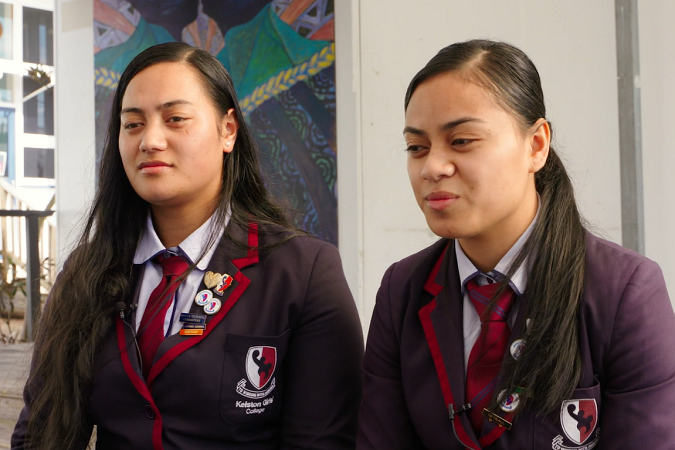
pixel 461 142
pixel 414 148
pixel 131 125
pixel 417 151
pixel 176 119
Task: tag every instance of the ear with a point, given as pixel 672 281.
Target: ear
pixel 540 142
pixel 229 127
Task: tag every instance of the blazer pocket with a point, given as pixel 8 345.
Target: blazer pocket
pixel 253 369
pixel 574 425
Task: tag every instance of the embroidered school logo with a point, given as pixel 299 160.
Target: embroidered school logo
pixel 260 365
pixel 578 419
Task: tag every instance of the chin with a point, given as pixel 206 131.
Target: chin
pixel 450 228
pixel 155 198
pixel 442 229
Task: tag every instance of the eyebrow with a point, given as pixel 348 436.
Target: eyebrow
pixel 161 107
pixel 445 127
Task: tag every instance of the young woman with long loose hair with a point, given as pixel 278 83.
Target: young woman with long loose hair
pixel 191 314
pixel 519 329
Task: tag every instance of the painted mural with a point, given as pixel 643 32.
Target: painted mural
pixel 281 56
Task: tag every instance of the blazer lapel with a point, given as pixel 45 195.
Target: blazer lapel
pixel 126 341
pixel 443 327
pixel 220 263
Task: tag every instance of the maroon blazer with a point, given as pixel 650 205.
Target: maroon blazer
pixel 291 303
pixel 414 362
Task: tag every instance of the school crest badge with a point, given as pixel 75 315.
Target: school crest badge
pixel 579 418
pixel 260 365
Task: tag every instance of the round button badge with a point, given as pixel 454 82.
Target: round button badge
pixel 510 403
pixel 517 348
pixel 213 306
pixel 203 297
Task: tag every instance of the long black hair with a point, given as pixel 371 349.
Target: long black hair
pixel 97 275
pixel 550 366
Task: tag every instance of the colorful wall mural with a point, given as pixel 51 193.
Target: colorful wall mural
pixel 281 56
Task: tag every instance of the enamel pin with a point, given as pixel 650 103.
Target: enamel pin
pixel 211 279
pixel 203 297
pixel 510 403
pixel 224 283
pixel 213 306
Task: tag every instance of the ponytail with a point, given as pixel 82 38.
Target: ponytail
pixel 549 367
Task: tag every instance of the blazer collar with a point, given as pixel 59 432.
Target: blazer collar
pixel 442 323
pixel 228 258
pixel 443 328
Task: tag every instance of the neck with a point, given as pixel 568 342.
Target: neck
pixel 174 224
pixel 487 249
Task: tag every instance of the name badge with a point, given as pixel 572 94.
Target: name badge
pixel 192 318
pixel 185 332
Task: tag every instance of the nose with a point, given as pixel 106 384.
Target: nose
pixel 438 164
pixel 154 138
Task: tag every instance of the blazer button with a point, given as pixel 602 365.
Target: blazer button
pixel 149 413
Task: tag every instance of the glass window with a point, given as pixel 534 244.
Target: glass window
pixel 6 31
pixel 38 162
pixel 7 83
pixel 38 36
pixel 7 142
pixel 38 112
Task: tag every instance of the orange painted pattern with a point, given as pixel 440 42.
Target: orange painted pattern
pixel 326 32
pixel 295 10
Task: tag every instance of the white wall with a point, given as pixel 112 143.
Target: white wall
pixel 74 103
pixel 572 42
pixel 657 65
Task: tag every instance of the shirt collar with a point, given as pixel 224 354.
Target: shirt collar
pixel 518 281
pixel 191 247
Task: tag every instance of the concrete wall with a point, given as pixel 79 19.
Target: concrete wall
pixel 657 65
pixel 571 42
pixel 74 104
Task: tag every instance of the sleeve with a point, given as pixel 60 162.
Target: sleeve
pixel 384 422
pixel 638 398
pixel 19 440
pixel 323 381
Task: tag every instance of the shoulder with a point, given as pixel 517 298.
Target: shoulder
pixel 623 290
pixel 298 256
pixel 615 266
pixel 403 282
pixel 418 266
pixel 284 243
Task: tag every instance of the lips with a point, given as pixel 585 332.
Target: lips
pixel 153 166
pixel 440 200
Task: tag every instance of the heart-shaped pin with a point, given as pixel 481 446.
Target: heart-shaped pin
pixel 223 284
pixel 212 279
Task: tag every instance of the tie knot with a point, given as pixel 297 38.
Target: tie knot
pixel 172 265
pixel 482 295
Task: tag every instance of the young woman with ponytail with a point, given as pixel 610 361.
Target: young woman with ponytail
pixel 191 315
pixel 519 329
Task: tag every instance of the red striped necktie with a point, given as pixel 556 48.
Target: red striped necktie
pixel 151 331
pixel 487 353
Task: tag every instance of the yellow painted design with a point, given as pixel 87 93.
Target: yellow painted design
pixel 283 81
pixel 287 78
